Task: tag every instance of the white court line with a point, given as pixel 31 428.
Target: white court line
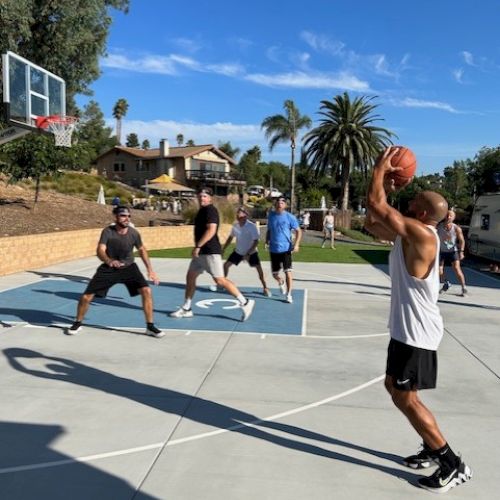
pixel 304 314
pixel 89 458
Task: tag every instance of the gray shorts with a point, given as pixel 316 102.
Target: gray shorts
pixel 211 263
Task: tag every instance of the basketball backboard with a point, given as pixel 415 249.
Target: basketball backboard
pixel 29 92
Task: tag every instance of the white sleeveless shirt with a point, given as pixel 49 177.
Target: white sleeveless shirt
pixel 414 318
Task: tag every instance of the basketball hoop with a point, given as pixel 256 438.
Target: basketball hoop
pixel 61 126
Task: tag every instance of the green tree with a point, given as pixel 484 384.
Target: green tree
pixel 66 38
pixel 190 142
pixel 92 133
pixel 227 148
pixel 285 129
pixel 346 139
pixel 119 111
pixel 484 171
pixel 32 157
pixel 179 139
pixel 132 140
pixel 248 166
pixel 145 144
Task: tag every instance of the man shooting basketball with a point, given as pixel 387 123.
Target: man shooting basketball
pixel 415 323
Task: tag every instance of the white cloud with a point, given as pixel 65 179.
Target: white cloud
pixel 410 102
pixel 468 58
pixel 458 75
pixel 187 44
pixel 201 133
pixel 312 80
pixel 168 65
pixel 323 43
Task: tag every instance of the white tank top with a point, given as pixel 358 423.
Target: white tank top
pixel 415 318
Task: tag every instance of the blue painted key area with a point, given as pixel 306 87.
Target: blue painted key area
pixel 54 301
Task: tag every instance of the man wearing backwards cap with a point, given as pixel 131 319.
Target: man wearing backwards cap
pixel 207 256
pixel 115 249
pixel 247 240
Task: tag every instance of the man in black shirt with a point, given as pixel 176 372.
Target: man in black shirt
pixel 207 256
pixel 115 249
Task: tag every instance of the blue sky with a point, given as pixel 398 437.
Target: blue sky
pixel 213 70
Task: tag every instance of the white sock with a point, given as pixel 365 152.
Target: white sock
pixel 187 304
pixel 241 299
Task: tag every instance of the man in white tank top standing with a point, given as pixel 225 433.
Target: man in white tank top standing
pixel 452 250
pixel 415 323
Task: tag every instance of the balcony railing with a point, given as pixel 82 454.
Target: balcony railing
pixel 214 176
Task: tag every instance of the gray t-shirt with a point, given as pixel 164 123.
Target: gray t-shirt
pixel 120 246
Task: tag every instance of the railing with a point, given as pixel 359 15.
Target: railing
pixel 212 175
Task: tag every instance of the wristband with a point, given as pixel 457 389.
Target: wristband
pixel 197 247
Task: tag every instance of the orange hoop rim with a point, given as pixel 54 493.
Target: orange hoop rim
pixel 43 122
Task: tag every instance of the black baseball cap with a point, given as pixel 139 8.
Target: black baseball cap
pixel 121 210
pixel 205 190
pixel 242 209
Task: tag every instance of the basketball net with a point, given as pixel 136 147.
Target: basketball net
pixel 61 126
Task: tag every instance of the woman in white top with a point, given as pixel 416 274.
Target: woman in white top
pixel 328 229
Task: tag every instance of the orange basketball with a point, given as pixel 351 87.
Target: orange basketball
pixel 406 160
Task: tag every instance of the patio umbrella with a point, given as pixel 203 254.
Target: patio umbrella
pixel 166 184
pixel 100 197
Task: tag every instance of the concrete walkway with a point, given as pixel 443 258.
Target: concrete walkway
pixel 114 414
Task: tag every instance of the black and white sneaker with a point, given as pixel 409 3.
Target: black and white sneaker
pixel 154 332
pixel 247 309
pixel 444 479
pixel 445 287
pixel 75 328
pixel 422 460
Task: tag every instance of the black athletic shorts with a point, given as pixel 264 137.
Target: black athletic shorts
pixel 106 277
pixel 411 368
pixel 281 260
pixel 447 258
pixel 253 259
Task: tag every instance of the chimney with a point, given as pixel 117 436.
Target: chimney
pixel 164 148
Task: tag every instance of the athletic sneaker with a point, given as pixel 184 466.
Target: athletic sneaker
pixel 289 298
pixel 445 479
pixel 465 292
pixel 182 313
pixel 421 460
pixel 283 288
pixel 247 309
pixel 75 328
pixel 445 287
pixel 267 292
pixel 154 332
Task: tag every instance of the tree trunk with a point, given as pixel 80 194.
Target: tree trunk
pixel 37 190
pixel 119 131
pixel 345 186
pixel 292 190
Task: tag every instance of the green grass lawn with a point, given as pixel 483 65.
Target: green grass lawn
pixel 345 253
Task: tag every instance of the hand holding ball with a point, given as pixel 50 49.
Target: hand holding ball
pixel 406 161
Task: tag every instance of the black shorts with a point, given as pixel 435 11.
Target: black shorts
pixel 447 258
pixel 253 259
pixel 411 368
pixel 281 260
pixel 106 277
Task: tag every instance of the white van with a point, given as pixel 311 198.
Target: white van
pixel 484 230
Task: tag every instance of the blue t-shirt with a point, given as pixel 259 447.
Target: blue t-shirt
pixel 280 228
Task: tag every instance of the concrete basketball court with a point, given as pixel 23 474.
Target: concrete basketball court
pixel 289 405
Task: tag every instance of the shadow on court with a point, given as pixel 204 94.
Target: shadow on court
pixel 197 409
pixel 78 481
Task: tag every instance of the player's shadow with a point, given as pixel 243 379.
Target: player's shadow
pixel 35 316
pixel 69 277
pixel 25 444
pixel 204 411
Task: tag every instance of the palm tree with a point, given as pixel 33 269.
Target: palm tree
pixel 179 139
pixel 119 111
pixel 346 139
pixel 284 129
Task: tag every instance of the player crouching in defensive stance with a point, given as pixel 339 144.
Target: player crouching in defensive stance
pixel 415 323
pixel 115 249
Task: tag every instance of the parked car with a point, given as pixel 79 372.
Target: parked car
pixel 274 193
pixel 255 190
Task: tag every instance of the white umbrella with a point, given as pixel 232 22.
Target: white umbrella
pixel 100 197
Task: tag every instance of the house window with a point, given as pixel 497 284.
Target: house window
pixel 118 167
